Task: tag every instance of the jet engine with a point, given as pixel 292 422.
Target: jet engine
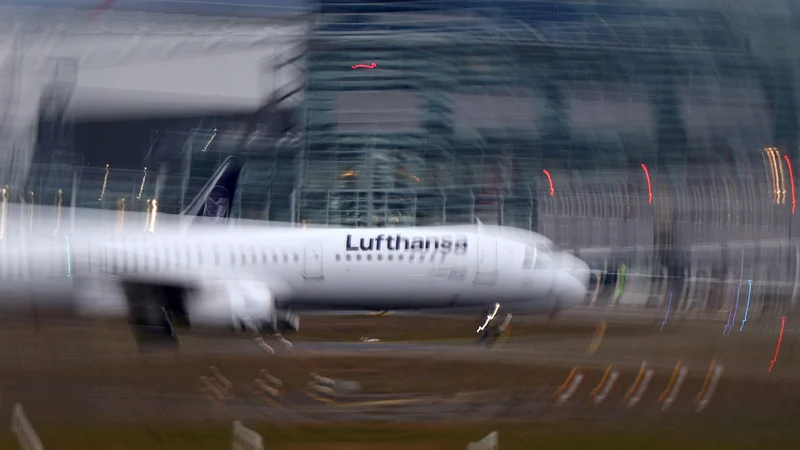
pixel 155 308
pixel 231 304
pixel 99 297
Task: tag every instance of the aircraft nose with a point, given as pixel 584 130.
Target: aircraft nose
pixel 574 283
pixel 581 271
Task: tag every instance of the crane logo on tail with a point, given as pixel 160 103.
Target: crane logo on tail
pixel 217 204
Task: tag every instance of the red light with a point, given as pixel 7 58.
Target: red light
pixel 550 179
pixel 649 186
pixel 105 5
pixel 791 177
pixel 365 66
pixel 778 348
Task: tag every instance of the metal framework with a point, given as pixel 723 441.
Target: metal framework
pixel 468 104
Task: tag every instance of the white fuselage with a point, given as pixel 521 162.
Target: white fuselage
pixel 306 268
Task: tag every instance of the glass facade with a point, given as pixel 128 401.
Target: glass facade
pixel 660 142
pixel 542 114
pixel 597 124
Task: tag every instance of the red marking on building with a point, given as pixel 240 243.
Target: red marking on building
pixel 103 6
pixel 550 179
pixel 791 177
pixel 778 347
pixel 649 185
pixel 364 66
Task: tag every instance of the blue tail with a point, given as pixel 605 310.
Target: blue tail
pixel 214 202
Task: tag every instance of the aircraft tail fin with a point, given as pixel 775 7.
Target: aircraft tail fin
pixel 214 201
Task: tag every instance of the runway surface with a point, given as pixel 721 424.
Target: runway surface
pixel 73 374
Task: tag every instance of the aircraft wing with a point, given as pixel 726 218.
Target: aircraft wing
pixel 200 298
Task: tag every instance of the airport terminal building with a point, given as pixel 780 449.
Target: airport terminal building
pixel 619 125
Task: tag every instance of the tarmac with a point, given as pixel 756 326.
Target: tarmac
pixel 72 373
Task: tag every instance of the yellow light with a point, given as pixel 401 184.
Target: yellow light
pixel 147 216
pixel 773 173
pixel 152 211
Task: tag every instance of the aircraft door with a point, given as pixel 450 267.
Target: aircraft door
pixel 487 261
pixel 313 262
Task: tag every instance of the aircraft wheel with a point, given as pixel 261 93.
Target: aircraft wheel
pixel 555 310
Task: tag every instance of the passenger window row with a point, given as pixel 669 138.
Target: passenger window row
pixel 133 256
pixel 390 257
pixel 11 267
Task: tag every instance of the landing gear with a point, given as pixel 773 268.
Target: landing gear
pixel 152 328
pixel 491 329
pixel 555 310
pixel 286 321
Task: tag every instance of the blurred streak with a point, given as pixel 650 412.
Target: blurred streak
pixel 105 184
pixel 30 211
pixel 776 170
pixel 58 211
pixel 747 308
pixel 649 185
pixel 768 166
pixel 778 347
pixel 791 179
pixel 666 316
pixel 69 257
pixel 141 187
pixel 779 162
pixel 120 214
pixel 550 180
pixel 152 211
pixel 148 213
pixel 3 211
pixel 210 140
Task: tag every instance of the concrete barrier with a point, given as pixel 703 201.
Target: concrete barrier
pixel 268 387
pixel 212 392
pixel 222 381
pixel 639 386
pixel 600 393
pixel 597 339
pixel 673 388
pixel 245 438
pixel 489 442
pixel 266 376
pixel 565 392
pixel 327 390
pixel 23 430
pixel 709 386
pixel 323 381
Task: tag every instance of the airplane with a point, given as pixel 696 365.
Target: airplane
pixel 206 270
